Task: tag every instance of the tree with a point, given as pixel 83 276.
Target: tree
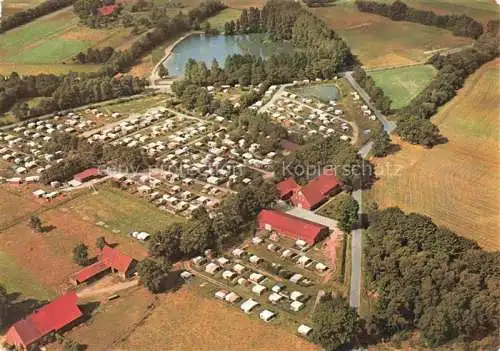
pixel 36 223
pixel 381 144
pixel 334 323
pixel 100 243
pixel 163 71
pixel 81 254
pixel 71 345
pixel 346 212
pixel 4 304
pixel 153 274
pixel 418 131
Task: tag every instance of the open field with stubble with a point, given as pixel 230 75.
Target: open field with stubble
pixel 381 42
pixel 457 183
pixel 401 85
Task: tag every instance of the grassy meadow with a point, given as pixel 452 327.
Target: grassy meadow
pixel 403 84
pixel 456 183
pixel 381 42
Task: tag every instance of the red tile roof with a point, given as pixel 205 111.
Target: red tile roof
pixel 90 271
pixel 291 226
pixel 316 191
pixel 51 317
pixel 106 10
pixel 286 187
pixel 86 175
pixel 116 259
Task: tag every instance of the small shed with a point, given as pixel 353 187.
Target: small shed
pixel 249 305
pixel 238 268
pixel 321 267
pixel 256 277
pixel 296 306
pixel 304 330
pixel 258 289
pixel 212 268
pixel 238 252
pixel 267 315
pixel 296 295
pixel 222 261
pixel 220 294
pixel 278 287
pixel 232 297
pixel 296 278
pixel 255 259
pixel 228 275
pixel 274 298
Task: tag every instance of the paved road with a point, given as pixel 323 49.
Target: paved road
pixel 313 217
pixel 356 252
pixel 388 125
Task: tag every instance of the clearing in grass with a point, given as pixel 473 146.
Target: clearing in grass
pixel 380 42
pixel 401 85
pixel 457 183
pixel 224 16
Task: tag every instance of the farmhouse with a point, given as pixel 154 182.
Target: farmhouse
pixel 316 191
pixel 291 227
pixel 286 188
pixel 109 259
pixel 52 317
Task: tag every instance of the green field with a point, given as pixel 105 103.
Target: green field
pixel 224 16
pixel 403 84
pixel 380 42
pixel 13 6
pixel 122 211
pixel 18 280
pixel 49 43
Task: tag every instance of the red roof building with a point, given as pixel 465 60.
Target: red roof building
pixel 286 188
pixel 106 10
pixel 87 175
pixel 290 226
pixel 316 191
pixel 108 259
pixel 50 318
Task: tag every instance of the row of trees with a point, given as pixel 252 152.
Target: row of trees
pixel 382 102
pixel 81 155
pixel 234 218
pixel 94 55
pixel 28 15
pixel 428 278
pixel 77 89
pixel 460 25
pixel 320 155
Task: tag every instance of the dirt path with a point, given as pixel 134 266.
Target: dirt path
pixel 92 291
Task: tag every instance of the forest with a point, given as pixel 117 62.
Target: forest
pixel 460 25
pixel 427 278
pixel 30 14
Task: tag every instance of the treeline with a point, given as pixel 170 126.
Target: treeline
pixel 63 92
pixel 231 223
pixel 381 101
pixel 81 155
pixel 166 28
pixel 330 153
pixel 319 3
pixel 429 279
pixel 30 14
pixel 460 25
pixel 95 55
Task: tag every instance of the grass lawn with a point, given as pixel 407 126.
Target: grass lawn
pixel 328 209
pixel 457 183
pixel 13 6
pixel 379 41
pixel 481 10
pixel 122 211
pixel 224 16
pixel 16 279
pixel 403 84
pixel 134 106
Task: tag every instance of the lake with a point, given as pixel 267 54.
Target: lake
pixel 203 47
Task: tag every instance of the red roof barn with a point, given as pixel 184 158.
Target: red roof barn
pixel 87 175
pixel 290 226
pixel 108 259
pixel 286 188
pixel 50 318
pixel 316 191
